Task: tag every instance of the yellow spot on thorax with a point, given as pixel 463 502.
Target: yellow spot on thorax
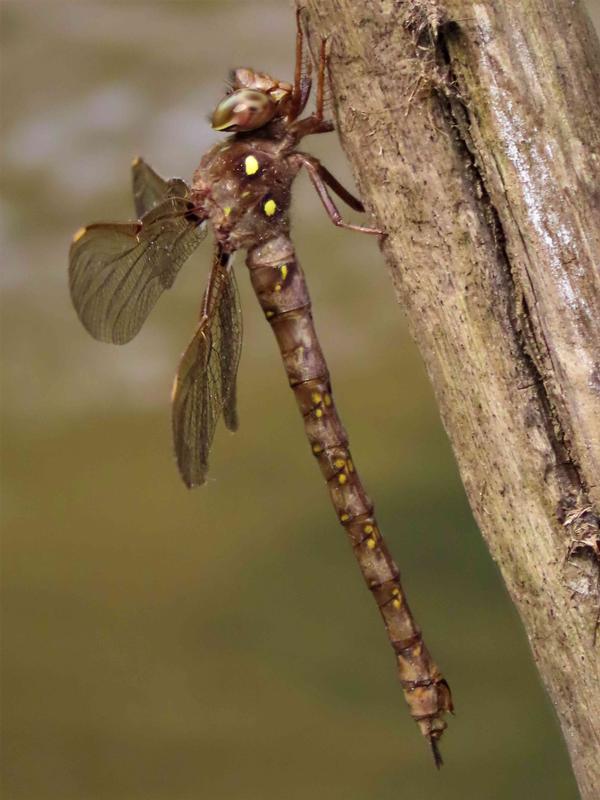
pixel 269 314
pixel 251 165
pixel 78 235
pixel 345 517
pixel 316 448
pixel 284 271
pixel 137 160
pixel 277 287
pixel 270 207
pixel 227 210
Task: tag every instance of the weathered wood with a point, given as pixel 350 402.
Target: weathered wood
pixel 474 132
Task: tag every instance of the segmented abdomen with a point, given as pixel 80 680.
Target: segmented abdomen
pixel 279 283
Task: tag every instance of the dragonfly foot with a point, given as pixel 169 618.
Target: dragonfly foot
pixel 437 756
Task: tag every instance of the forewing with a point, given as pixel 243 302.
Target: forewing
pixel 205 384
pixel 117 272
pixel 149 189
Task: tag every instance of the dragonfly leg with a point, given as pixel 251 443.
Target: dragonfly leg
pixel 320 178
pixel 321 80
pixel 315 123
pixel 302 77
pixel 337 187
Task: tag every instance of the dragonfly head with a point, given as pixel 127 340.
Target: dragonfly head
pixel 253 101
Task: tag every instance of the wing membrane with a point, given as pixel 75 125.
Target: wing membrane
pixel 230 321
pixel 117 272
pixel 149 189
pixel 205 384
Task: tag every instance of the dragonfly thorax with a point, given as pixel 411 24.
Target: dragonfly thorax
pixel 245 186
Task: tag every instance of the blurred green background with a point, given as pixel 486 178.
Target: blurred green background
pixel 165 644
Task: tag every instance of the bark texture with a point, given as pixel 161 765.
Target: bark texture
pixel 474 132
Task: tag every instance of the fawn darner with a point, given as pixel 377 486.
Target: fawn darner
pixel 242 188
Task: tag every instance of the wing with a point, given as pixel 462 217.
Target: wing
pixel 149 189
pixel 230 347
pixel 117 272
pixel 205 382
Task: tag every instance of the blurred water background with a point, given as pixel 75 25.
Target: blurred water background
pixel 169 645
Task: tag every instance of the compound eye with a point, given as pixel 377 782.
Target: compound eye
pixel 243 110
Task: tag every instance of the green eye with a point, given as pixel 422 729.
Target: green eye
pixel 244 110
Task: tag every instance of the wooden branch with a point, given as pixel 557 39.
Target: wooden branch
pixel 474 133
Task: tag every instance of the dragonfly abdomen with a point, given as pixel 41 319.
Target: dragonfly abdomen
pixel 279 283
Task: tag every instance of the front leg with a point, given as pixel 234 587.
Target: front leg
pixel 315 123
pixel 302 78
pixel 320 177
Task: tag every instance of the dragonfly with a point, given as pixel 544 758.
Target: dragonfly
pixel 242 190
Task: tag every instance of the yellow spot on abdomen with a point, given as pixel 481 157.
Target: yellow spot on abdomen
pixel 270 207
pixel 368 529
pixel 227 210
pixel 284 271
pixel 277 287
pixel 315 397
pixel 396 602
pixel 339 463
pixel 78 235
pixel 319 413
pixel 344 517
pixel 316 448
pixel 251 165
pixel 269 314
pixel 342 478
pixel 371 543
pixel 327 400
